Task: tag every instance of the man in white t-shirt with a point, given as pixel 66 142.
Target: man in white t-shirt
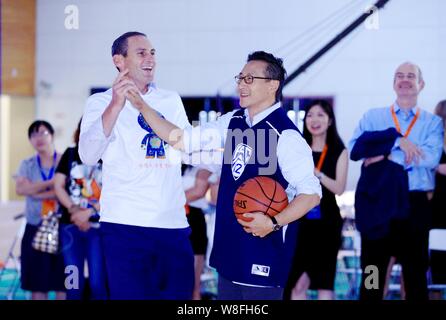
pixel 143 223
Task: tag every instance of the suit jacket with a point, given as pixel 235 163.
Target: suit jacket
pixel 382 193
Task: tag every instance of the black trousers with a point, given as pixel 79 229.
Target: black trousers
pixel 408 242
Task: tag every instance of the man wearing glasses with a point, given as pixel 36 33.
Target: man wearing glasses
pixel 252 258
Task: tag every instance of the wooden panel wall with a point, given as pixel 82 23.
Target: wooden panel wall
pixel 18 26
pixel 16 114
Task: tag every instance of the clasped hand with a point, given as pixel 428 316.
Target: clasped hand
pixel 260 225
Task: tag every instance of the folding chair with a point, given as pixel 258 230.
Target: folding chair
pixel 13 260
pixel 437 242
pixel 349 259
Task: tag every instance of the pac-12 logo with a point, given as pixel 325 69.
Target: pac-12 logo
pixel 240 158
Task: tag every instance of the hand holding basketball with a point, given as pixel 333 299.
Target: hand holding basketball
pixel 259 224
pixel 259 194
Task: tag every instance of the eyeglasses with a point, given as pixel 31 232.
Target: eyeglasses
pixel 40 134
pixel 248 79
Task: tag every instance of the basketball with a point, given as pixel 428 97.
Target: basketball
pixel 261 194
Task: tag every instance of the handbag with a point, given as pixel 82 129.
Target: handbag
pixel 46 238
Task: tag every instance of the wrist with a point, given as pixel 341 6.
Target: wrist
pixel 115 106
pixel 141 105
pixel 94 213
pixel 320 175
pixel 73 208
pixel 275 224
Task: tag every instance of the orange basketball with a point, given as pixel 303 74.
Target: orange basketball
pixel 262 194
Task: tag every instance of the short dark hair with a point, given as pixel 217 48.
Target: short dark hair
pixel 274 69
pixel 333 138
pixel 120 45
pixel 34 127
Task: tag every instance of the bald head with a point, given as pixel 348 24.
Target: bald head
pixel 408 65
pixel 408 82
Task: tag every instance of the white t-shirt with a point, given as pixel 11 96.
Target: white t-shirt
pixel 142 183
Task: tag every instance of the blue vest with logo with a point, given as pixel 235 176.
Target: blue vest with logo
pixel 237 255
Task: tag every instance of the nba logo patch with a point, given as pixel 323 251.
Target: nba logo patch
pixel 260 270
pixel 240 158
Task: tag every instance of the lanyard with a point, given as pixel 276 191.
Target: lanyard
pixel 322 158
pixel 51 173
pixel 397 124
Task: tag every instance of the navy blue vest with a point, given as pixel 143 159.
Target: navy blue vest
pixel 238 255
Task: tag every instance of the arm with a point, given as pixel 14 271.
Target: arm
pixel 79 216
pixel 367 142
pixel 166 130
pixel 204 137
pixel 432 147
pixel 214 190
pixel 363 126
pixel 45 195
pixel 337 186
pixel 121 86
pixel 296 163
pixel 200 187
pixel 425 155
pixel 442 169
pixel 24 187
pixel 297 208
pixel 262 225
pixel 98 123
pixel 374 143
pixel 59 188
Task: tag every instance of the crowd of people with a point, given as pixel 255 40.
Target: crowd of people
pixel 128 214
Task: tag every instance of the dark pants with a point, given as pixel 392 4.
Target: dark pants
pixel 227 290
pixel 408 242
pixel 148 263
pixel 78 247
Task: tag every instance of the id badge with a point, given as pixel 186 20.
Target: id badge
pixel 314 214
pixel 48 206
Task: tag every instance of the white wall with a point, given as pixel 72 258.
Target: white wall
pixel 202 44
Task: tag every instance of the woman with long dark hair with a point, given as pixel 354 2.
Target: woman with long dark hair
pixel 319 237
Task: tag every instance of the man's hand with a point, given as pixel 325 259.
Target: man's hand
pixel 135 99
pixel 411 151
pixel 371 160
pixel 80 218
pixel 121 86
pixel 260 226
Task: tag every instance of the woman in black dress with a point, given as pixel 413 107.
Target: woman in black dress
pixel 319 238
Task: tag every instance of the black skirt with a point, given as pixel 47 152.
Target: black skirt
pixel 40 271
